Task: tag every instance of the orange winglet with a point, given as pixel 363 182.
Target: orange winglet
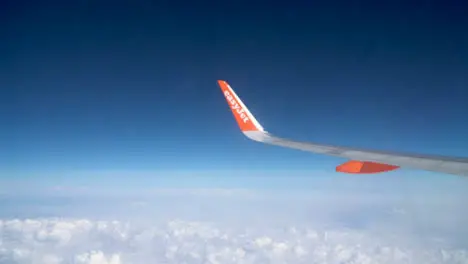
pixel 362 167
pixel 244 118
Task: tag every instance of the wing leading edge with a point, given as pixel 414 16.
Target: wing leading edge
pixel 361 160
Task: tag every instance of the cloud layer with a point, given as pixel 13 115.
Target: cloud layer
pixel 177 241
pixel 234 226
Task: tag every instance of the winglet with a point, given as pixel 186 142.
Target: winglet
pixel 244 118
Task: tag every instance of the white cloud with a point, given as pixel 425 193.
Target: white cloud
pixel 177 241
pixel 97 257
pixel 234 226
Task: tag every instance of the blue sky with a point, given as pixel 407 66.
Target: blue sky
pixel 93 92
pixel 117 145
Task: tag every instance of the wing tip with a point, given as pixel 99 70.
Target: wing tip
pixel 244 118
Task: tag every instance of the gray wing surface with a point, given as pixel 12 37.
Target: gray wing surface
pixel 253 130
pixel 450 165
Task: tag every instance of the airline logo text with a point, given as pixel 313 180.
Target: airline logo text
pixel 235 106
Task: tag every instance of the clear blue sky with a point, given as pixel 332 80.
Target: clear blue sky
pixel 88 86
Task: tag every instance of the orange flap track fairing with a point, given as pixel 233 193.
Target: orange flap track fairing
pixel 364 167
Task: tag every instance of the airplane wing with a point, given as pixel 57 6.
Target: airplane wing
pixel 360 160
